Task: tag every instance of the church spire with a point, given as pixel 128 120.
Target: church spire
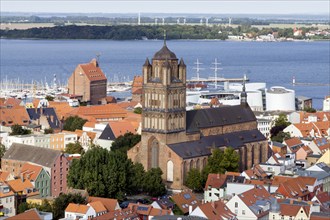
pixel 164 37
pixel 243 94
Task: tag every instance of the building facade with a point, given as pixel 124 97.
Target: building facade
pixel 172 136
pixel 88 82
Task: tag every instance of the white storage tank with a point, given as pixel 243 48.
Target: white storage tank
pixel 280 99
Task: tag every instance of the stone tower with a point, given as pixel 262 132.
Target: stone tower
pixel 163 102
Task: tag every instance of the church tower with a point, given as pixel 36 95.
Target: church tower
pixel 164 93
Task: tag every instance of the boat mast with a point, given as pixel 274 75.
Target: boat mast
pixel 197 68
pixel 216 68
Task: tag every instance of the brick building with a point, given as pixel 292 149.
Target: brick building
pixel 53 161
pixel 173 137
pixel 88 82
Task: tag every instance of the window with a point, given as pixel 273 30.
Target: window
pixel 210 194
pixel 236 211
pixel 243 212
pixel 236 204
pixel 273 216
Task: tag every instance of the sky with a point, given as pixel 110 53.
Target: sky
pixel 162 6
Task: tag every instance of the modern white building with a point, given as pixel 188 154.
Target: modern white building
pixel 42 140
pixel 280 99
pixel 326 103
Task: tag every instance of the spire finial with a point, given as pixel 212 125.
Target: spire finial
pixel 164 37
pixel 244 79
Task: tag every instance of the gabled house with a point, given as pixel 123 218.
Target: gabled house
pixel 303 153
pixel 109 204
pixel 214 210
pixel 53 161
pixel 7 198
pixel 323 198
pixel 79 211
pixel 320 145
pixel 98 207
pixel 252 204
pixel 163 203
pixel 39 177
pixel 293 144
pixel 215 187
pixel 46 117
pixel 12 116
pixel 33 214
pixel 186 201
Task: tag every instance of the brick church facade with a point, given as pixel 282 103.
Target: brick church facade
pixel 177 140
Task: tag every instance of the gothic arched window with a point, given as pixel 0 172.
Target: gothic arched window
pixel 154 154
pixel 170 171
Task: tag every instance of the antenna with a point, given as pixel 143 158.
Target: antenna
pixel 98 54
pixel 197 68
pixel 216 68
pixel 164 37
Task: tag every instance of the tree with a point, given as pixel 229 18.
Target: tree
pixel 153 183
pixel 74 122
pixel 49 98
pixel 309 110
pixel 281 136
pixel 63 200
pixel 2 150
pixel 22 207
pixel 194 180
pixel 48 131
pixel 136 179
pixel 221 161
pixel 280 124
pixel 126 142
pixel 74 148
pixel 19 130
pixel 103 173
pixel 138 110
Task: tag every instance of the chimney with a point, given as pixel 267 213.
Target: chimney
pixel 190 209
pixel 203 201
pixel 291 201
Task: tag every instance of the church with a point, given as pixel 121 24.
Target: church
pixel 177 140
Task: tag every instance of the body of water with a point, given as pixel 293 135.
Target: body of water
pixel 274 63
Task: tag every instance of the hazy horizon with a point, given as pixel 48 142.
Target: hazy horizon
pixel 244 7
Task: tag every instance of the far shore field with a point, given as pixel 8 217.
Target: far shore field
pixel 24 26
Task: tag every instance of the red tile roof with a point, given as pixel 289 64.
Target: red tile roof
pixel 92 71
pixel 109 204
pixel 215 180
pixel 30 171
pixel 121 127
pixel 217 211
pixel 77 208
pixel 27 215
pixel 12 116
pixel 185 199
pixel 98 206
pixel 293 209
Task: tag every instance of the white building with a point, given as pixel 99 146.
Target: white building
pixel 280 99
pixel 326 104
pixel 253 204
pixel 7 200
pixel 78 211
pixel 42 140
pixel 264 126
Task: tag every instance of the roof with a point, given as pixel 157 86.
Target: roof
pixel 215 117
pixel 5 194
pixel 215 180
pixel 185 199
pixel 305 128
pixel 323 197
pixel 253 197
pixel 111 110
pixel 322 143
pixel 137 82
pixel 164 54
pixel 90 124
pixel 18 185
pixel 319 216
pixel 98 206
pixel 30 171
pixel 293 142
pixel 12 102
pixel 293 209
pixel 92 70
pixel 120 214
pixel 295 187
pixel 109 204
pixel 52 119
pixel 148 210
pixel 107 134
pixel 216 210
pixel 12 116
pixel 202 147
pixel 4 175
pixel 77 208
pixel 38 155
pixel 61 108
pixel 121 127
pixel 27 215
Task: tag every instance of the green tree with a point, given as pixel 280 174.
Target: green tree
pixel 19 130
pixel 138 110
pixel 126 142
pixel 153 183
pixel 49 98
pixel 280 124
pixel 194 180
pixel 221 161
pixel 102 173
pixel 310 110
pixel 2 150
pixel 63 200
pixel 74 122
pixel 281 136
pixel 49 131
pixel 74 148
pixel 22 207
pixel 136 178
